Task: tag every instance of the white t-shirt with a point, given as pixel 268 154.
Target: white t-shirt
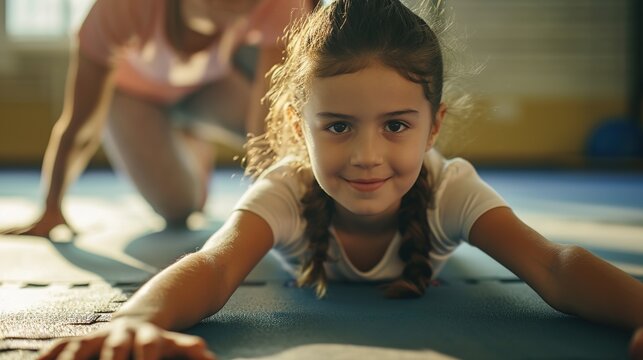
pixel 460 198
pixel 132 36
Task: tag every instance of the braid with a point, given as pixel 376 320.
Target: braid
pixel 318 212
pixel 416 243
pixel 413 227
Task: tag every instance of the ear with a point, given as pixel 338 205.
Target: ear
pixel 295 120
pixel 436 125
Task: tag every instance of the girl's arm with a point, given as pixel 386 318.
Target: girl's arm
pixel 180 296
pixel 200 284
pixel 568 278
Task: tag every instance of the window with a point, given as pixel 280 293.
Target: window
pixel 38 19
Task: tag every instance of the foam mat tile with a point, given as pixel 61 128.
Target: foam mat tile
pixel 51 312
pixel 480 309
pixel 23 344
pixel 37 260
pixel 18 355
pixel 489 320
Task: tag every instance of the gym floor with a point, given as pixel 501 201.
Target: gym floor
pixel 478 309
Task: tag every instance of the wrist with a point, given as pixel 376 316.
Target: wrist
pixel 138 316
pixel 127 316
pixel 53 205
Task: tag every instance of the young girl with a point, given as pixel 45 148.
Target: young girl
pixel 349 187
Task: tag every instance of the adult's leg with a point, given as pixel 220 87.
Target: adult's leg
pixel 171 162
pixel 142 142
pixel 218 111
pixel 214 114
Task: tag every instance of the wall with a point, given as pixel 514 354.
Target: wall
pixel 551 72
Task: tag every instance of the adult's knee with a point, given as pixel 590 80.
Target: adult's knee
pixel 176 215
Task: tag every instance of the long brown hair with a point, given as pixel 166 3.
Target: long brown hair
pixel 341 38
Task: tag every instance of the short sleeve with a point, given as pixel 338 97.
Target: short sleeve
pixel 111 24
pixel 275 198
pixel 462 197
pixel 268 21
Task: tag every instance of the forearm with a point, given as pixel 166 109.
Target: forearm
pixel 258 111
pixel 255 123
pixel 595 290
pixel 181 295
pixel 65 158
pixel 77 133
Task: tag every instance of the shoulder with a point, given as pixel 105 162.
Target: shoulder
pixel 445 172
pixel 124 13
pixel 288 172
pixel 276 198
pixel 460 197
pixel 278 190
pixel 114 22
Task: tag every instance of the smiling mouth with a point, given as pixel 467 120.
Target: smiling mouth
pixel 366 185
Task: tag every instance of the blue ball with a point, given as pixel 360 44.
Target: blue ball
pixel 616 137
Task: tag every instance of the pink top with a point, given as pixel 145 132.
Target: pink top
pixel 130 34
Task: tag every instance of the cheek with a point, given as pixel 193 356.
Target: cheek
pixel 410 171
pixel 408 168
pixel 412 158
pixel 314 154
pixel 324 158
pixel 322 154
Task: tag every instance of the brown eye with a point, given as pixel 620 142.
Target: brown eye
pixel 338 128
pixel 395 126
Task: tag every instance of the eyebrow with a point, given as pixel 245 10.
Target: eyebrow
pixel 332 115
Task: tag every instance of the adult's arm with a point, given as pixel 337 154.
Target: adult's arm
pixel 74 138
pixel 76 135
pixel 268 57
pixel 271 52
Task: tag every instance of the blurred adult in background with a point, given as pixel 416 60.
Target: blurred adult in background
pixel 157 81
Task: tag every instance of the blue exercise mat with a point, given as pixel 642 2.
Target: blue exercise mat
pixel 477 310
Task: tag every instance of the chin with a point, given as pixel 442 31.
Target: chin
pixel 365 210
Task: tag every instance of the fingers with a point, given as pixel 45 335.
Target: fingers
pixel 152 343
pixel 16 230
pixel 144 341
pixel 118 345
pixel 147 344
pixel 53 351
pixel 74 348
pixel 35 229
pixel 187 346
pixel 50 221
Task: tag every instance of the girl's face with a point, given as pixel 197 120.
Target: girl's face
pixel 366 134
pixel 206 16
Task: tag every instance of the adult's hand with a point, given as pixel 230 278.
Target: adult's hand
pixel 126 338
pixel 42 226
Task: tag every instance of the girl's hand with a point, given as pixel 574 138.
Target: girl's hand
pixel 125 338
pixel 636 345
pixel 42 227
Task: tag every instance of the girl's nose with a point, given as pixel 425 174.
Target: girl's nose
pixel 367 150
